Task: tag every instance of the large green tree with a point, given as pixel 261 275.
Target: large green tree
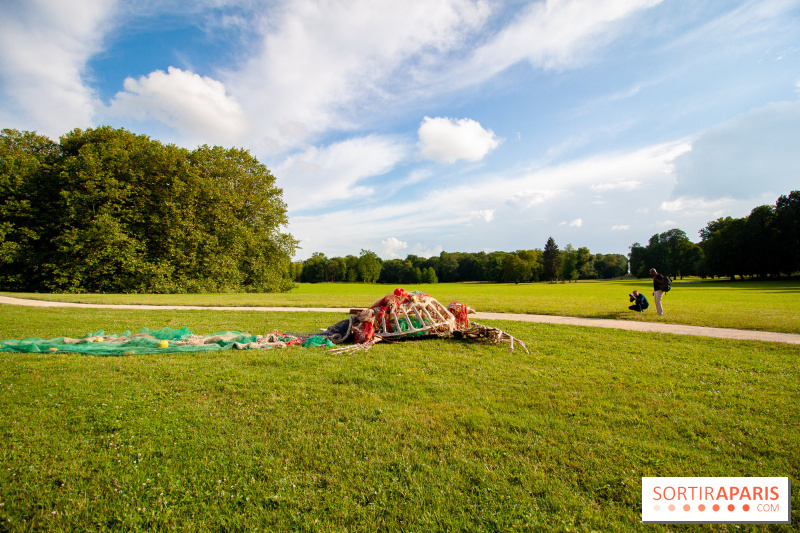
pixel 117 212
pixel 369 266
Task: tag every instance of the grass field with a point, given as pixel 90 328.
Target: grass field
pixel 418 436
pixel 766 306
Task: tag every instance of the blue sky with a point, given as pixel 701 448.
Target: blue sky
pixel 456 125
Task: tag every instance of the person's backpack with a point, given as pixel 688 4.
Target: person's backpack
pixel 667 285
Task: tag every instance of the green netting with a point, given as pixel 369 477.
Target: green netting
pixel 164 340
pixel 415 324
pixel 317 340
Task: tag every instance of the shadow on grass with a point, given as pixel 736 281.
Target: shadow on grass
pixel 622 315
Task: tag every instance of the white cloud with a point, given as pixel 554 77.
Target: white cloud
pixel 319 176
pixel 448 140
pixel 318 62
pixel 621 227
pixel 627 185
pixel 197 106
pixel 487 215
pixel 649 165
pixel 736 29
pixel 688 205
pixel 553 35
pixel 577 223
pixel 418 175
pixel 392 247
pixel 422 251
pixel 530 197
pixel 44 47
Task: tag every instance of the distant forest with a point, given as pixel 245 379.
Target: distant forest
pixel 764 244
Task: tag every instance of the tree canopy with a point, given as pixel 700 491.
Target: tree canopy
pixel 521 266
pixel 106 210
pixel 764 243
pixel 671 253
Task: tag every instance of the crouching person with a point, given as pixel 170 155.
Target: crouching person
pixel 640 302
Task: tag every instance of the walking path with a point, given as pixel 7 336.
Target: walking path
pixel 655 327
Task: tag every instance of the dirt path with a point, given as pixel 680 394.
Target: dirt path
pixel 656 327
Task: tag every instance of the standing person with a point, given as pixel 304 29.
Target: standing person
pixel 659 288
pixel 639 302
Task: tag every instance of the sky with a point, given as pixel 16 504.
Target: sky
pixel 423 126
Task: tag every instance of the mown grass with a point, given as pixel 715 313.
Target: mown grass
pixel 765 306
pixel 418 436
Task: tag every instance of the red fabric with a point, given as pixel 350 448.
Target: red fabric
pixel 461 313
pixel 366 334
pixel 380 316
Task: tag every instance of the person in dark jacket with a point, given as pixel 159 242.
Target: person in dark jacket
pixel 640 302
pixel 659 282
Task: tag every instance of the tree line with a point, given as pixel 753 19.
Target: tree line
pixel 549 264
pixel 106 210
pixel 764 244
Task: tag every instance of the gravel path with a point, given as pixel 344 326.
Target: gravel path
pixel 656 327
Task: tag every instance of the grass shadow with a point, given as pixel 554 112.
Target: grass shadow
pixel 626 314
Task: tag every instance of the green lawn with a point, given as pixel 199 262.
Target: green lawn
pixel 418 436
pixel 767 306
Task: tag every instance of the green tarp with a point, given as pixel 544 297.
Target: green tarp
pixel 164 340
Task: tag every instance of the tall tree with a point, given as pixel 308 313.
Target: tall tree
pixel 787 212
pixel 515 270
pixel 448 268
pixel 352 267
pixel 25 160
pixel 337 269
pixel 762 242
pixel 723 244
pixel 533 259
pixel 569 263
pixel 429 275
pixel 551 261
pixel 369 266
pixel 584 263
pixel 638 260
